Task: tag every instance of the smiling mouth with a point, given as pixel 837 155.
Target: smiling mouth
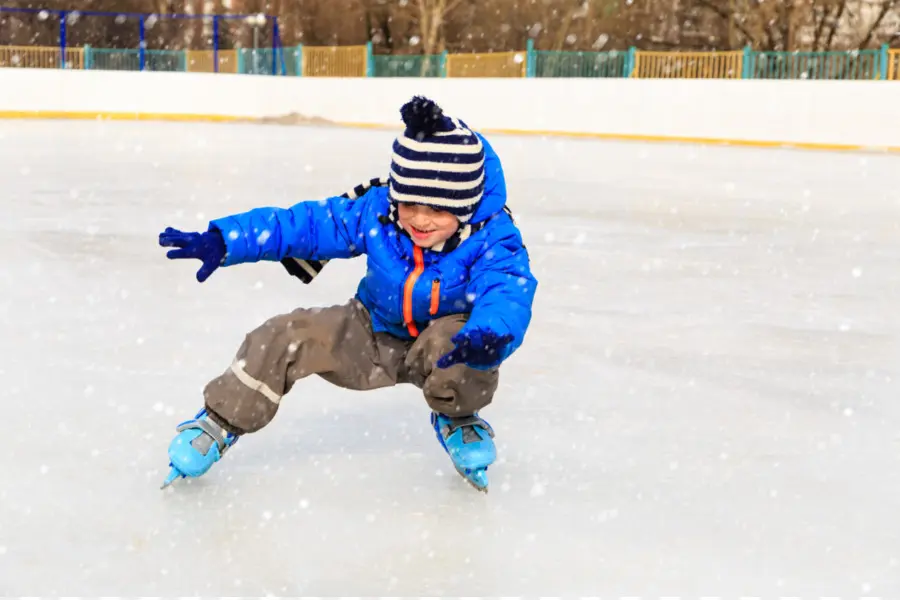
pixel 420 231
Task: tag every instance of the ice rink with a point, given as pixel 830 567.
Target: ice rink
pixel 707 402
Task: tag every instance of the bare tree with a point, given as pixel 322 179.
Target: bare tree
pixel 431 26
pixel 431 15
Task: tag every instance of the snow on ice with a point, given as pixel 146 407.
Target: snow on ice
pixel 706 402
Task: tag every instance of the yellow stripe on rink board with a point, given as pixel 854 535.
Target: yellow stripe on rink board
pixel 699 140
pixel 625 137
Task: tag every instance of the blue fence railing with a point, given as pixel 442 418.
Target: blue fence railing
pixel 64 20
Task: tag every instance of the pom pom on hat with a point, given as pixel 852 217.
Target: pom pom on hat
pixel 422 117
pixel 437 161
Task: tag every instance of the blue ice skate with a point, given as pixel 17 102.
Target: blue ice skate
pixel 199 444
pixel 469 442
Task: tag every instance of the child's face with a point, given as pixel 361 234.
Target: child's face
pixel 425 225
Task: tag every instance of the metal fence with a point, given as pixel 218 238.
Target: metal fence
pixel 544 63
pixel 209 61
pixel 359 61
pixel 864 64
pixel 209 43
pixel 495 64
pixel 28 57
pixel 335 61
pixel 422 65
pixel 893 68
pixel 102 59
pixel 689 65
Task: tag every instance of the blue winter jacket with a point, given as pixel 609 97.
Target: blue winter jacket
pixel 488 275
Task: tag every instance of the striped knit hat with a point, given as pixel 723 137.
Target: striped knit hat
pixel 437 161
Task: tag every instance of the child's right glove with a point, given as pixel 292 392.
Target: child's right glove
pixel 479 349
pixel 208 247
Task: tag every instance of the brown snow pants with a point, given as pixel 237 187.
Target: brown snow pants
pixel 337 344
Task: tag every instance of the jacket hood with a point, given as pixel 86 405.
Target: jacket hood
pixel 494 198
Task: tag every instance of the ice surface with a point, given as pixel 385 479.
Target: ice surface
pixel 706 404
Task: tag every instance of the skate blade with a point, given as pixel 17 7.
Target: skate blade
pixel 478 479
pixel 173 475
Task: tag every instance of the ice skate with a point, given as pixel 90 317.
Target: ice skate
pixel 469 442
pixel 199 444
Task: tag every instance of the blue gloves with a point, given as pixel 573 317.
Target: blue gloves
pixel 209 247
pixel 479 349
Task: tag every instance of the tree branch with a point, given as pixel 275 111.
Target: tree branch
pixel 724 15
pixel 886 7
pixel 452 6
pixel 786 11
pixel 820 15
pixel 770 33
pixel 834 24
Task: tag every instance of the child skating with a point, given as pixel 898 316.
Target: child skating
pixel 446 298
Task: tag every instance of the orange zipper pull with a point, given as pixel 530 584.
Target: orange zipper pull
pixel 419 258
pixel 435 296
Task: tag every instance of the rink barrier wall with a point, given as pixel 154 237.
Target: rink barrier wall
pixel 820 115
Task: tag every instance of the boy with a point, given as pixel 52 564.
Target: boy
pixel 446 298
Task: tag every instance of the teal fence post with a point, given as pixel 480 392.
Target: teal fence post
pixel 370 60
pixel 240 60
pixel 747 63
pixel 884 58
pixel 89 57
pixel 530 58
pixel 630 62
pixel 443 64
pixel 183 59
pixel 298 54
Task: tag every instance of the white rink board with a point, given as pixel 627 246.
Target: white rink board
pixel 828 113
pixel 706 404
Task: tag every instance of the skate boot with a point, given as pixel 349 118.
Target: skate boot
pixel 200 443
pixel 469 442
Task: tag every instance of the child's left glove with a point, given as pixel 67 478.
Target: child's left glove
pixel 479 349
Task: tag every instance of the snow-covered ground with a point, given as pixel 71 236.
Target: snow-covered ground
pixel 707 402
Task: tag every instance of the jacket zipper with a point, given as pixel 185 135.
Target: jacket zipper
pixel 435 296
pixel 419 258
